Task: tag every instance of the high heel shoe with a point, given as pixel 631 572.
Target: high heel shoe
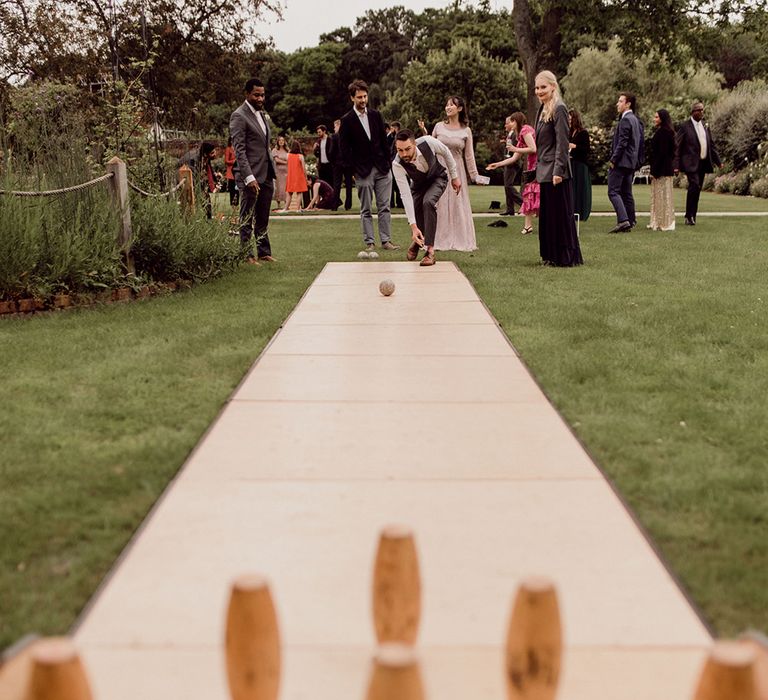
pixel 526 230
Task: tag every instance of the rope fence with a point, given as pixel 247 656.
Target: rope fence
pixel 63 190
pixel 117 176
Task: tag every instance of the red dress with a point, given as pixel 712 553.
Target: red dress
pixel 296 180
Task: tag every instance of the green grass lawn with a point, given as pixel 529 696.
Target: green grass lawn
pixel 654 351
pixel 481 197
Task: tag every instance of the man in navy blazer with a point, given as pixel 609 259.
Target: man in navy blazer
pixel 695 155
pixel 626 156
pixel 249 129
pixel 363 140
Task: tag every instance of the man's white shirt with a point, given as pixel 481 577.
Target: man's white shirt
pixel 702 134
pixel 363 116
pixel 444 155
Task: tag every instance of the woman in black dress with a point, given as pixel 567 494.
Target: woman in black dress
pixel 662 172
pixel 582 181
pixel 558 240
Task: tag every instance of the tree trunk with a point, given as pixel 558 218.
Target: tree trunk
pixel 539 47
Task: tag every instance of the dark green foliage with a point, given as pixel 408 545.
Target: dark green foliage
pixel 168 246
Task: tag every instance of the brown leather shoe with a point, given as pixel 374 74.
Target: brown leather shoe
pixel 413 251
pixel 427 260
pixel 252 261
pixel 267 258
pixel 390 246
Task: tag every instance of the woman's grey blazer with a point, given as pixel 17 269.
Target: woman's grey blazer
pixel 552 145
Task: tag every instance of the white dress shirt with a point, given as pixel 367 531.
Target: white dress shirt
pixel 702 134
pixel 444 156
pixel 364 121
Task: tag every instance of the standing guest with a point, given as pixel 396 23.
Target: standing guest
pixel 341 170
pixel 423 180
pixel 364 146
pixel 323 196
pixel 392 131
pixel 525 151
pixel 250 131
pixel 696 156
pixel 558 239
pixel 662 170
pixel 280 157
pixel 511 171
pixel 206 177
pixel 323 153
pixel 296 182
pixel 455 226
pixel 582 182
pixel 230 162
pixel 626 156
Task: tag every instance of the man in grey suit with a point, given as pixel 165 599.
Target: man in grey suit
pixel 626 157
pixel 249 129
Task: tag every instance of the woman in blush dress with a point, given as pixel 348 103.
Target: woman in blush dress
pixel 280 156
pixel 524 150
pixel 296 182
pixel 455 227
pixel 558 239
pixel 662 158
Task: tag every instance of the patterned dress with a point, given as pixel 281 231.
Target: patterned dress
pixel 455 227
pixel 531 190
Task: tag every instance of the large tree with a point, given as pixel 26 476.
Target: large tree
pixel 664 27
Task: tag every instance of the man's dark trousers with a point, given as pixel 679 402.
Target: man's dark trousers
pixel 510 191
pixel 340 173
pixel 695 181
pixel 425 207
pixel 254 215
pixel 620 194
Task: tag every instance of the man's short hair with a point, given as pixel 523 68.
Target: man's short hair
pixel 252 83
pixel 395 125
pixel 356 86
pixel 323 127
pixel 697 106
pixel 629 97
pixel 405 135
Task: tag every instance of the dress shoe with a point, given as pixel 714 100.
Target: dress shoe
pixel 266 258
pixel 507 213
pixel 690 221
pixel 622 227
pixel 390 246
pixel 252 261
pixel 413 251
pixel 427 260
pixel 371 247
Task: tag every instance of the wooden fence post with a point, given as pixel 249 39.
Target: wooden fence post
pixel 187 191
pixel 118 184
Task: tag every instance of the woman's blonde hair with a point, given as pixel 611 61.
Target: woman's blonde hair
pixel 548 113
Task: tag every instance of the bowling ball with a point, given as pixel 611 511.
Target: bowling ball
pixel 386 287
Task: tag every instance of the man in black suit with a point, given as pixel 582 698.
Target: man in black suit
pixel 396 200
pixel 626 157
pixel 249 128
pixel 323 153
pixel 364 147
pixel 511 171
pixel 341 170
pixel 695 155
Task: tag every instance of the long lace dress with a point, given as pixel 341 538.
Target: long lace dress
pixel 455 227
pixel 281 173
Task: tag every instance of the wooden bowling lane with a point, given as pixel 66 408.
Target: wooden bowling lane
pixel 365 412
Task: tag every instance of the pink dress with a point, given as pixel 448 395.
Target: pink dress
pixel 531 190
pixel 455 227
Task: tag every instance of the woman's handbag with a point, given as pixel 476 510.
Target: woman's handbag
pixel 529 176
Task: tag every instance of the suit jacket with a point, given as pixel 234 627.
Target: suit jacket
pixel 552 140
pixel 252 146
pixel 360 152
pixel 626 151
pixel 688 151
pixel 662 153
pixel 329 146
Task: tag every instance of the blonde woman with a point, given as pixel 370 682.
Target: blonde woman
pixel 558 240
